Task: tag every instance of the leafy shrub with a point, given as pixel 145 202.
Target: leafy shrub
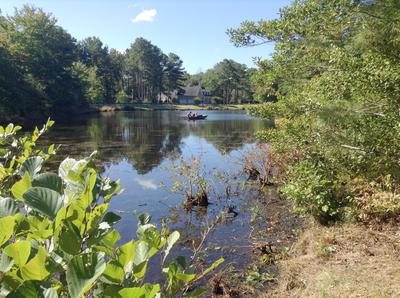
pixel 217 100
pixel 313 191
pixel 122 97
pixel 197 100
pixel 57 236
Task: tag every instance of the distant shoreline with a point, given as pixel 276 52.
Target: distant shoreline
pixel 102 108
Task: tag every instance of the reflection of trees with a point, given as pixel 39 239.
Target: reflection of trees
pixel 145 139
pixel 229 135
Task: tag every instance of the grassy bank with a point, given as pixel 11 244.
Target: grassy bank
pixel 160 107
pixel 347 260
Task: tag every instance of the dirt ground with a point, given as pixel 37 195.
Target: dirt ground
pixel 347 260
pixel 294 257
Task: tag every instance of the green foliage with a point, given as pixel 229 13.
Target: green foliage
pixel 313 191
pixel 57 238
pixel 190 180
pixel 334 74
pixel 122 97
pixel 228 80
pixel 40 55
pixel 197 100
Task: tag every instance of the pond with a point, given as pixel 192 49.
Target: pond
pixel 140 147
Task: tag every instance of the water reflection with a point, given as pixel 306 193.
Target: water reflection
pixel 139 147
pixel 146 138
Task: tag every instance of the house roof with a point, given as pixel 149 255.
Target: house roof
pixel 192 91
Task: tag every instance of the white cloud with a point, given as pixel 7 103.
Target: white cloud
pixel 145 16
pixel 146 183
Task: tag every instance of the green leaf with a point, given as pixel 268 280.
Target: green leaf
pixel 95 216
pixel 196 293
pixel 48 180
pixel 141 253
pixel 146 291
pixel 6 262
pixel 212 267
pixel 6 228
pixel 29 289
pixel 21 186
pixel 66 166
pixel 32 165
pixel 35 269
pixel 70 238
pixel 19 251
pixel 144 219
pixel 114 272
pixel 186 278
pixel 83 271
pixel 170 243
pixel 50 293
pixel 126 254
pixel 8 206
pixel 111 218
pixel 43 200
pixel 111 238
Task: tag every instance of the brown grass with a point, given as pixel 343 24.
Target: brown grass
pixel 342 261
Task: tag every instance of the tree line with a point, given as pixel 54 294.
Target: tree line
pixel 44 70
pixel 335 73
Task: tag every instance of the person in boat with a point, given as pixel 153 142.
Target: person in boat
pixel 190 114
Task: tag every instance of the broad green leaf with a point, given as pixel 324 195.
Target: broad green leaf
pixel 139 270
pixel 43 200
pixel 114 272
pixel 19 251
pixel 40 228
pixel 6 262
pixel 172 239
pixel 28 289
pixel 111 218
pixel 146 291
pixel 21 186
pixel 95 216
pixel 66 166
pixel 141 253
pixel 125 255
pixel 6 228
pixel 10 281
pixel 8 206
pixel 32 165
pixel 111 238
pixel 35 269
pixel 48 180
pixel 83 271
pixel 69 238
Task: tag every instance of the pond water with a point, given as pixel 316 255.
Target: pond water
pixel 139 148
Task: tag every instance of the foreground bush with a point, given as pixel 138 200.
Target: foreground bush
pixel 57 237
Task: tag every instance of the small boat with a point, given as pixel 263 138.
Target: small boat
pixel 197 117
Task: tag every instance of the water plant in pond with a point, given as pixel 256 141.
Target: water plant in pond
pixel 57 237
pixel 189 177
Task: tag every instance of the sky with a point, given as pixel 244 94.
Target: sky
pixel 194 30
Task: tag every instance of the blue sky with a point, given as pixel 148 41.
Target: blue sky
pixel 195 30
